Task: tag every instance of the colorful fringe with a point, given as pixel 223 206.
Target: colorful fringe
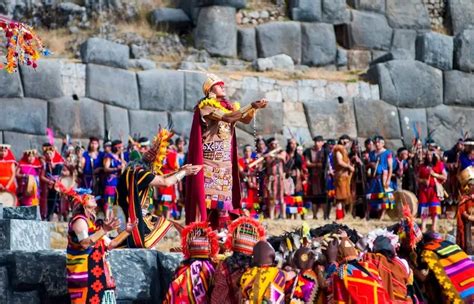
pixel 452 268
pixel 295 205
pixel 429 209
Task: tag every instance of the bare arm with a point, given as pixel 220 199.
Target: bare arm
pixel 340 161
pixel 161 181
pixel 107 168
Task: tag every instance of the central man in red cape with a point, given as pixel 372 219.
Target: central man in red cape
pixel 215 190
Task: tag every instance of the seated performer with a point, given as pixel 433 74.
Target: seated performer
pixel 192 279
pixel 397 277
pixel 447 271
pixel 213 144
pixel 303 287
pixel 29 169
pixel 242 236
pixel 347 279
pixel 134 192
pixel 263 283
pixel 465 215
pixel 89 278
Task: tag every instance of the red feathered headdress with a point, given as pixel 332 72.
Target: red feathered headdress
pixel 199 241
pixel 75 197
pixel 243 234
pixel 412 232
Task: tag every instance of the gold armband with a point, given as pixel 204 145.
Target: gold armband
pixel 180 175
pixel 246 109
pixel 98 235
pixel 216 115
pixel 121 237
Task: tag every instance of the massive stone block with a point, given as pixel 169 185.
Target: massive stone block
pixel 147 123
pixel 4 285
pixel 279 38
pixel 411 14
pixel 462 15
pixel 171 17
pixel 449 121
pixel 45 81
pixel 404 40
pixel 21 213
pixel 464 51
pixel 24 235
pixel 377 117
pixel 408 83
pixel 267 121
pixel 216 31
pixel 363 23
pixel 113 86
pixel 167 265
pixel 116 121
pixel 458 88
pixel 182 122
pixel 143 265
pixel 161 90
pixel 73 75
pixel 10 85
pixel 411 120
pixel 23 115
pixel 305 10
pixel 319 44
pixel 329 118
pixel 334 11
pixel 193 89
pixel 101 51
pixel 247 43
pixel 436 50
pixel 368 5
pixel 81 119
pixel 294 122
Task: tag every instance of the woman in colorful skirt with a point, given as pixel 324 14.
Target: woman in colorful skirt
pixel 7 169
pixel 91 164
pixel 29 170
pixel 380 194
pixel 113 164
pixel 89 278
pixel 430 173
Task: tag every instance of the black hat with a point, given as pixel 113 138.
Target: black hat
pixel 318 138
pixel 331 142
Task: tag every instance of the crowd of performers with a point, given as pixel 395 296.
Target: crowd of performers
pixel 362 181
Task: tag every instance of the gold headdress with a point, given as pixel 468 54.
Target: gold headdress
pixel 211 81
pixel 157 153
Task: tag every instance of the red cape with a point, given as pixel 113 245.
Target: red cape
pixel 195 204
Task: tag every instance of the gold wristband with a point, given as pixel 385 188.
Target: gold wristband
pixel 121 237
pixel 245 109
pixel 98 235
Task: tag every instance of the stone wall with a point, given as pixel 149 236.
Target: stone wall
pixel 142 276
pixel 87 98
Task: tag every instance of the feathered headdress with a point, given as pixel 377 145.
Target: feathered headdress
pixel 73 194
pixel 382 232
pixel 22 44
pixel 243 234
pixel 157 153
pixel 199 241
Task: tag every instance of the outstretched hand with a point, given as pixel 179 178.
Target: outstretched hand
pixel 191 169
pixel 111 224
pixel 131 225
pixel 260 104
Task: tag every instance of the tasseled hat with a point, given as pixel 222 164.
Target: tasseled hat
pixel 199 241
pixel 243 234
pixel 157 153
pixel 211 81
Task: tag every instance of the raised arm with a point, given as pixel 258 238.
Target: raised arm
pixel 161 181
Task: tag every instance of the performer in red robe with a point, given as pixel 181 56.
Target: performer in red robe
pixel 216 189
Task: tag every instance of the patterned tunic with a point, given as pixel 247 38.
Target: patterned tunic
pixel 217 152
pixel 263 285
pixel 88 275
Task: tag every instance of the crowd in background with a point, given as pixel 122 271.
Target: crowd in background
pixel 276 182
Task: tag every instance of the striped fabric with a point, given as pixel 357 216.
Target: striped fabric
pixel 87 271
pixel 453 269
pixel 191 283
